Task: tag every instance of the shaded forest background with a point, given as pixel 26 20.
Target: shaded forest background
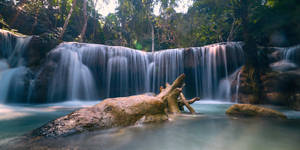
pixel 269 22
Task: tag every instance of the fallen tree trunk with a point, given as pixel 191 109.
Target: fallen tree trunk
pixel 119 112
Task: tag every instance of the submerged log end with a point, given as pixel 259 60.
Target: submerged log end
pixel 193 100
pixel 186 103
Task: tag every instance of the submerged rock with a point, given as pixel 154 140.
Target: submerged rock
pixel 294 102
pixel 38 49
pixel 283 65
pixel 248 110
pixel 277 88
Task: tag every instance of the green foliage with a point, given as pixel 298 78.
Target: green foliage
pixel 206 22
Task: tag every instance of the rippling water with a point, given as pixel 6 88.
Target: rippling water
pixel 210 130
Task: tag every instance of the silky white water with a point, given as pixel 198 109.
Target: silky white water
pixel 12 70
pixel 113 71
pixel 80 71
pixel 290 53
pixel 8 84
pixel 72 76
pixel 237 86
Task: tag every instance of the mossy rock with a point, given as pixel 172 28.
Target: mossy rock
pixel 248 110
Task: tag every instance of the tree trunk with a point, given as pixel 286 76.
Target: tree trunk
pixel 67 20
pixel 56 17
pixel 230 36
pixel 152 33
pixel 119 112
pixel 95 19
pixel 250 45
pixel 250 48
pixel 85 16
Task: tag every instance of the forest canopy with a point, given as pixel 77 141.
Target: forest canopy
pixel 134 23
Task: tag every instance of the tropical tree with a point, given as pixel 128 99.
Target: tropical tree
pixel 67 20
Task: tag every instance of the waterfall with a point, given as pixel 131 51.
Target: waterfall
pixel 12 47
pixel 224 89
pixel 237 86
pixel 117 74
pixel 5 80
pixel 12 70
pixel 72 79
pixel 289 59
pixel 291 53
pixel 167 66
pixel 3 65
pixel 213 65
pixel 12 85
pixel 81 71
pixel 150 72
pixel 92 71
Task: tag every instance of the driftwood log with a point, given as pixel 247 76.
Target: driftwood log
pixel 120 112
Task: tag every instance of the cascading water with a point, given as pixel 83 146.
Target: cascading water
pixel 166 66
pixel 115 71
pixel 12 84
pixel 3 65
pixel 289 59
pixel 117 74
pixel 237 86
pixel 224 89
pixel 5 80
pixel 12 71
pixel 212 67
pixel 291 53
pixel 90 71
pixel 72 79
pixel 12 48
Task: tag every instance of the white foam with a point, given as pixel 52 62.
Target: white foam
pixel 16 111
pixel 209 101
pixel 7 112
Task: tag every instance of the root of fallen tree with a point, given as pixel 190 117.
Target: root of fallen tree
pixel 121 111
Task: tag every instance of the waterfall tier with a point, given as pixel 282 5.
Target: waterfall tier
pixel 292 53
pixel 284 59
pixel 12 70
pixel 91 71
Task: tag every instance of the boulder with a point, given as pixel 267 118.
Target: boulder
pixel 276 98
pixel 277 88
pixel 245 91
pixel 283 65
pixel 294 102
pixel 284 53
pixel 39 47
pixel 275 54
pixel 248 110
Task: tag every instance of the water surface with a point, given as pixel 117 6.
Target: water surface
pixel 210 130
